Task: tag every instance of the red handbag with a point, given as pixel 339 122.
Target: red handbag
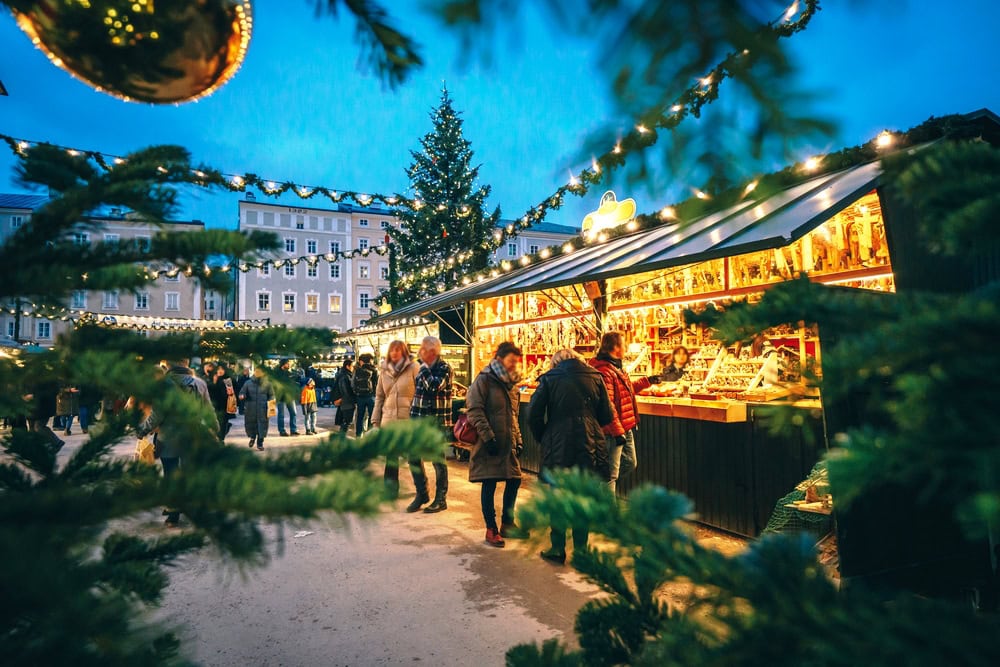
pixel 464 431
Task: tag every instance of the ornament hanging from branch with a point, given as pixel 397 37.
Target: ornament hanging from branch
pixel 177 52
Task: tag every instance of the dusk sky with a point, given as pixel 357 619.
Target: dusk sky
pixel 299 108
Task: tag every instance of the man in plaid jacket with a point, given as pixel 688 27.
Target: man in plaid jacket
pixel 431 398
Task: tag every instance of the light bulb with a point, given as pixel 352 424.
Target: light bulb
pixel 884 139
pixel 812 164
pixel 668 213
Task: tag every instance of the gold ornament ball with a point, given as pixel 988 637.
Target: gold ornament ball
pixel 156 51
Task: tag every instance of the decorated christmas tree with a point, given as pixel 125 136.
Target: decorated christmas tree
pixel 450 223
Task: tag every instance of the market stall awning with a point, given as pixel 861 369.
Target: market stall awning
pixel 746 227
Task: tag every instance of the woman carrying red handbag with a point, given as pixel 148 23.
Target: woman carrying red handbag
pixel 492 408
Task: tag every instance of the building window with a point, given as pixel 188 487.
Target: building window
pixel 81 238
pixel 144 243
pixel 335 303
pixel 112 238
pixel 334 271
pixel 289 245
pixel 383 271
pixel 142 301
pixel 16 221
pixel 265 271
pixel 172 278
pixel 532 249
pixel 288 303
pixel 110 301
pixel 363 269
pixel 173 301
pixel 300 225
pixel 363 222
pixel 44 330
pixel 512 250
pixel 79 300
pixel 311 246
pixel 385 224
pixel 312 271
pixel 289 270
pixel 362 244
pixel 10 327
pixel 263 302
pixel 312 303
pixel 335 247
pixel 363 300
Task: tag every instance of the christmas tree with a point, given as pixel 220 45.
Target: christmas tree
pixel 451 223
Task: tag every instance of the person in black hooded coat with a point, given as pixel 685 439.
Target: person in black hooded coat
pixel 567 414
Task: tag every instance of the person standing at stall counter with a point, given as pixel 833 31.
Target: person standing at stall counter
pixel 492 408
pixel 567 414
pixel 620 433
pixel 432 398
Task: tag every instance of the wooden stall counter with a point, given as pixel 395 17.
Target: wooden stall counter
pixel 721 410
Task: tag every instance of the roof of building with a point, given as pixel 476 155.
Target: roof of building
pixel 543 228
pixel 338 208
pixel 26 202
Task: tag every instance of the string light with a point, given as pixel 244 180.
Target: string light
pixel 668 213
pixel 700 194
pixel 751 186
pixel 884 139
pixel 812 164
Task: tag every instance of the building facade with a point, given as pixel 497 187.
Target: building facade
pixel 338 294
pixel 532 240
pixel 177 297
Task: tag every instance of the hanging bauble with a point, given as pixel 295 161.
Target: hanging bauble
pixel 157 51
pixel 444 233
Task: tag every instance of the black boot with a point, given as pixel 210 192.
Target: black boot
pixel 417 503
pixel 438 505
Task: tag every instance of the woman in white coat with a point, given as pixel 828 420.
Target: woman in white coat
pixel 393 396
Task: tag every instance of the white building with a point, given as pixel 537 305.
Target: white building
pixel 177 297
pixel 532 240
pixel 337 294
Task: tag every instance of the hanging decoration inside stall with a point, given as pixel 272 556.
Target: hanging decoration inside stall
pixel 161 53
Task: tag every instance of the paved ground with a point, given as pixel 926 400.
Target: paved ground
pixel 399 589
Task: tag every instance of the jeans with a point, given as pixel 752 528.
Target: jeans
pixel 66 423
pixel 291 417
pixel 486 498
pixel 365 407
pixel 622 459
pixel 171 465
pixel 420 479
pixel 310 419
pixel 84 417
pixel 558 538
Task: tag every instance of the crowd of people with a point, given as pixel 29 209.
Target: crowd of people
pixel 583 414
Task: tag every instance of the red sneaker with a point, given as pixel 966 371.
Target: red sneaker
pixel 493 538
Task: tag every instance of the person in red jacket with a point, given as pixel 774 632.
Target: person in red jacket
pixel 620 433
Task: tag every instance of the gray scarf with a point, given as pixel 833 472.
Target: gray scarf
pixel 509 379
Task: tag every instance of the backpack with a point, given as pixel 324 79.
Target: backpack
pixel 362 382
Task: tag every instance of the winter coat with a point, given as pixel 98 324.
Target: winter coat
pixel 255 394
pixel 345 381
pixel 239 381
pixel 308 399
pixel 44 405
pixel 568 411
pixel 67 402
pixel 170 442
pixel 621 392
pixel 492 408
pixel 433 395
pixel 671 373
pixel 217 392
pixel 288 385
pixel 394 393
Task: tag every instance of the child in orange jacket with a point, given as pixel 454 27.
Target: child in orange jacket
pixel 309 407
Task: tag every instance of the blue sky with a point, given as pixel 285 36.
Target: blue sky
pixel 300 109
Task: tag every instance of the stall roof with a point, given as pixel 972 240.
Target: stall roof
pixel 746 227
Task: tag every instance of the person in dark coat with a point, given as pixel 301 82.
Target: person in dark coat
pixel 90 402
pixel 569 410
pixel 492 406
pixel 256 393
pixel 219 387
pixel 345 383
pixel 43 408
pixel 170 440
pixel 238 383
